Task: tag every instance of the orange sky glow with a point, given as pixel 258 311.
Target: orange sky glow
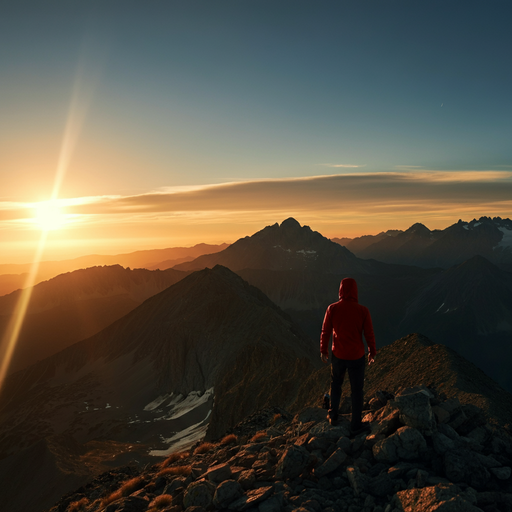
pixel 344 205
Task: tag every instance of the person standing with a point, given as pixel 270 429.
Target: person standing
pixel 347 321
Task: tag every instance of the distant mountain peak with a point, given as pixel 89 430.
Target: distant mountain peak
pixel 291 223
pixel 418 229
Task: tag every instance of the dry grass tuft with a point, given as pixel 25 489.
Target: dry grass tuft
pixel 162 501
pixel 203 448
pixel 78 506
pixel 275 418
pixel 229 439
pixel 125 490
pixel 174 457
pixel 258 436
pixel 175 471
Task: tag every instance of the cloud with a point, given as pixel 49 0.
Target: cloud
pixel 339 195
pixel 345 166
pixel 361 192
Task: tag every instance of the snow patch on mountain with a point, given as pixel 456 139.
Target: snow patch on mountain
pixel 183 439
pixel 506 241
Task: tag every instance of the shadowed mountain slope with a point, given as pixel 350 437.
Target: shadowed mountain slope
pixel 202 355
pixel 415 359
pixel 76 305
pixel 288 246
pixel 469 308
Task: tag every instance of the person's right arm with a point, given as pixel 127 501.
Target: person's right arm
pixel 369 336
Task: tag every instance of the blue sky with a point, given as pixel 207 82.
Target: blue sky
pixel 196 93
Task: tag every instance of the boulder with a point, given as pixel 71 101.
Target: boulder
pixel 227 492
pixel 251 499
pixel 331 464
pixel 406 443
pixel 199 494
pixel 442 443
pixel 219 473
pixel 324 429
pixel 292 463
pixel 464 466
pixel 415 410
pixel 247 479
pixel 386 420
pixel 356 479
pixel 439 498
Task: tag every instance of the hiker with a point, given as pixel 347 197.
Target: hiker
pixel 347 320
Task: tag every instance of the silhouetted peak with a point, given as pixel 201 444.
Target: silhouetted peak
pixel 290 223
pixel 418 229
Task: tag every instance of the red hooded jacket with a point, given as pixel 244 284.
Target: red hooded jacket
pixel 347 320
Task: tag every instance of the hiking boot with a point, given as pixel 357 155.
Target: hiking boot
pixel 363 427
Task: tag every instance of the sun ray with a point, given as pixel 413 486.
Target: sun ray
pixel 81 96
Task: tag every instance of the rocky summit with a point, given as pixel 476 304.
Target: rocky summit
pixel 421 452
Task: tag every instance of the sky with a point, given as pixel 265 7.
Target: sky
pixel 137 125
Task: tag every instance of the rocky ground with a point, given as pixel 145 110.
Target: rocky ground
pixel 424 452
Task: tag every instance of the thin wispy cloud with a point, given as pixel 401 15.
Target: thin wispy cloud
pixel 343 166
pixel 337 192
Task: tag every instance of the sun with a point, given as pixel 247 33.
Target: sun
pixel 49 216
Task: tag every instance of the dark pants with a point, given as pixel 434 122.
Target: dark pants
pixel 355 369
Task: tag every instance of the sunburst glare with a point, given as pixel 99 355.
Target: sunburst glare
pixel 49 216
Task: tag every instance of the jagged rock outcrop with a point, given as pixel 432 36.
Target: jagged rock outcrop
pixel 278 463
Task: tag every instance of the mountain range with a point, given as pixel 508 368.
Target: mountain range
pixel 13 276
pixel 300 270
pixel 151 361
pixel 418 245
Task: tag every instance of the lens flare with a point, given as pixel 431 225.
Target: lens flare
pixel 48 215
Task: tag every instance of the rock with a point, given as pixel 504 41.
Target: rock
pixel 344 443
pixel 323 429
pixel 439 498
pixel 464 466
pixel 406 443
pixel 448 432
pixel 502 473
pixel 319 443
pixel 199 494
pixel 227 492
pixel 356 480
pixel 487 461
pixel 387 420
pixel 247 479
pixel 382 485
pixel 442 415
pixel 415 410
pixel 332 463
pixel 442 443
pixel 303 439
pixel 421 478
pixel 271 505
pixel 175 484
pixel 292 463
pixel 219 473
pixel 251 499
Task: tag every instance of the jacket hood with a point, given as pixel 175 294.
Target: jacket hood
pixel 348 289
